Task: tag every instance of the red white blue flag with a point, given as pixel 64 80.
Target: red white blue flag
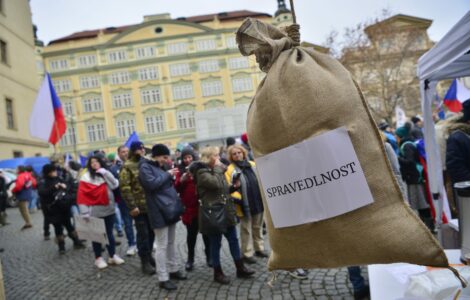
pixel 456 95
pixel 47 120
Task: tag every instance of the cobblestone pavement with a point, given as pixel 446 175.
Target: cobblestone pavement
pixel 33 269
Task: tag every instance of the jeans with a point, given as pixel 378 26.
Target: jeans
pixel 127 220
pixel 216 243
pixel 356 278
pixel 33 202
pixel 165 256
pixel 74 211
pixel 145 235
pixel 191 238
pixel 97 247
pixel 118 221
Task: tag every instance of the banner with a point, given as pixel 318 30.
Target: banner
pixel 400 116
pixel 91 229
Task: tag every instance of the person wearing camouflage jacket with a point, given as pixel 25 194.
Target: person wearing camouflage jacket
pixel 133 193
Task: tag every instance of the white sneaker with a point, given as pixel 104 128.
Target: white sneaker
pixel 131 251
pixel 100 263
pixel 115 260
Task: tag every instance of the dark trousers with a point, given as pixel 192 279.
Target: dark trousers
pixel 46 222
pixel 216 243
pixel 59 227
pixel 97 247
pixel 127 220
pixel 3 204
pixel 145 235
pixel 356 278
pixel 191 238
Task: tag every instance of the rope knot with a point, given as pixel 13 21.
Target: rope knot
pixel 293 32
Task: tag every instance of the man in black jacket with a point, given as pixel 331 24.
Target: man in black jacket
pixel 458 147
pixel 3 199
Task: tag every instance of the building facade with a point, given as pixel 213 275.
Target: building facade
pixel 18 81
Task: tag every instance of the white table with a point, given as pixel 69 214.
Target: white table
pixel 385 286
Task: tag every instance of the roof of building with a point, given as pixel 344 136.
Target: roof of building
pixel 222 16
pixel 403 19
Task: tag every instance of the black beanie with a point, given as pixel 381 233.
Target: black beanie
pixel 48 168
pixel 159 150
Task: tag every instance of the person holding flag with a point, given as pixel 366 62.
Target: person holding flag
pixel 456 95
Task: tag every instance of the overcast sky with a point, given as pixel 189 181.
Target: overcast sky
pixel 58 18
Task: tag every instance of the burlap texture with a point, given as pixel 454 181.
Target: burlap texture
pixel 306 93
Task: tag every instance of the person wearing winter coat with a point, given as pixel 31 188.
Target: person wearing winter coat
pixel 133 194
pixel 3 199
pixel 96 199
pixel 458 147
pixel 57 198
pixel 185 186
pixel 24 186
pixel 158 188
pixel 249 195
pixel 212 188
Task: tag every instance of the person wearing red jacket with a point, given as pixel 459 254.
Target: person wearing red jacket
pixel 24 185
pixel 186 188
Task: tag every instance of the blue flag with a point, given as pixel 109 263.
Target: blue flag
pixel 83 161
pixel 133 138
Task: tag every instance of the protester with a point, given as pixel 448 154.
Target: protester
pixel 458 147
pixel 57 198
pixel 33 203
pixel 393 160
pixel 121 209
pixel 360 288
pixel 3 199
pixel 404 134
pixel 244 138
pixel 212 188
pixel 417 129
pixel 74 168
pixel 96 199
pixel 186 188
pixel 134 197
pixel 391 139
pixel 249 203
pixel 158 188
pixel 24 186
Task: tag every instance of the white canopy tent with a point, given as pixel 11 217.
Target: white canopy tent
pixel 449 58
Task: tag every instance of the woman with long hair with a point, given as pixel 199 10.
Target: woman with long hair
pixel 213 189
pixel 96 199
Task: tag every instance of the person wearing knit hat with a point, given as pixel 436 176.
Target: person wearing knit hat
pixel 244 138
pixel 158 186
pixel 137 145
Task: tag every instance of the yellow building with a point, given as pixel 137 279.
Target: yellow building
pixel 18 81
pixel 151 77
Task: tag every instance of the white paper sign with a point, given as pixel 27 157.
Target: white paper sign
pixel 313 180
pixel 92 229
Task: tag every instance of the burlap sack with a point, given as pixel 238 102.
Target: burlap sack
pixel 304 94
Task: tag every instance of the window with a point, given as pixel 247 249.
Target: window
pixel 92 104
pixel 63 85
pixel 69 138
pixel 86 61
pixel 179 69
pixel 209 66
pixel 242 84
pixel 122 100
pixel 149 96
pixel 212 88
pixel 117 56
pixel 185 119
pixel 125 128
pixel 238 63
pixel 58 64
pixel 204 45
pixel 88 82
pixel 1 7
pixel 177 48
pixel 231 42
pixel 145 52
pixel 96 132
pixel 155 124
pixel 3 52
pixel 183 91
pixel 18 154
pixel 148 73
pixel 10 113
pixel 40 66
pixel 68 108
pixel 119 77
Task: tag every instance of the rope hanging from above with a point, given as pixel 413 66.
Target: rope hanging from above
pixel 293 31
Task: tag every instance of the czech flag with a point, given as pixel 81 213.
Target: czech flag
pixel 456 95
pixel 47 120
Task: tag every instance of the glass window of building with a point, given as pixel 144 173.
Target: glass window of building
pixel 148 73
pixel 207 66
pixel 231 42
pixel 86 60
pixel 69 138
pixel 96 132
pixel 3 52
pixel 185 119
pixel 155 124
pixel 150 96
pixel 10 113
pixel 177 48
pixel 179 69
pixel 121 77
pixel 145 52
pixel 122 100
pixel 117 56
pixel 183 91
pixel 124 128
pixel 205 45
pixel 61 86
pixel 68 108
pixel 58 64
pixel 242 84
pixel 212 88
pixel 89 82
pixel 238 63
pixel 92 104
